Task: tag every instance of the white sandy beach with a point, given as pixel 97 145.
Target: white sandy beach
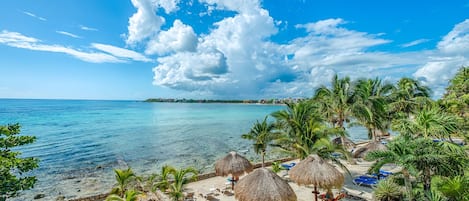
pixel 214 185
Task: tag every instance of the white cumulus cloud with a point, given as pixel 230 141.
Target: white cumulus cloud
pixel 144 23
pixel 452 53
pixel 237 58
pixel 179 37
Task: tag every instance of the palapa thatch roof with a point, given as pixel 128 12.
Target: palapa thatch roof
pixel 263 185
pixel 233 164
pixel 372 146
pixel 348 143
pixel 316 171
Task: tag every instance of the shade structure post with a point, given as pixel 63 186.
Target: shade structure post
pixel 233 164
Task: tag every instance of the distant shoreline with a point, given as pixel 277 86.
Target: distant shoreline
pixel 261 101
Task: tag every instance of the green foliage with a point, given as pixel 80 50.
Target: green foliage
pixel 456 99
pixel 399 152
pixel 163 180
pixel 454 188
pixel 262 133
pixel 180 179
pixel 130 195
pixel 407 96
pixel 277 166
pixel 303 132
pixel 123 178
pixel 11 165
pixel 429 121
pixel 387 190
pixel 369 106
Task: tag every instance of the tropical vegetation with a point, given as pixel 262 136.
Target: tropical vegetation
pixel 433 163
pixel 12 166
pixel 130 187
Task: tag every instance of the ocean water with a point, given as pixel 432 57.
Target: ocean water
pixel 80 142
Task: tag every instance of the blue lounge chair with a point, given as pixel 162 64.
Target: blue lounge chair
pixel 365 182
pixel 384 173
pixel 288 166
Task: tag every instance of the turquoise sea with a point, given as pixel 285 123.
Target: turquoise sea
pixel 80 142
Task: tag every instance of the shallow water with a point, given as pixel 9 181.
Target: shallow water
pixel 80 142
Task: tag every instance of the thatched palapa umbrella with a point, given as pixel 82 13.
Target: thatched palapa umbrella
pixel 348 143
pixel 233 164
pixel 318 172
pixel 372 146
pixel 265 185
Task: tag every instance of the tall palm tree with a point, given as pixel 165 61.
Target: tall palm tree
pixel 335 104
pixel 180 179
pixel 407 96
pixel 303 131
pixel 370 105
pixel 262 133
pixel 123 178
pixel 336 101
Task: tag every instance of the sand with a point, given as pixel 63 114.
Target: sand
pixel 215 185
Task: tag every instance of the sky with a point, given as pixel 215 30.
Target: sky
pixel 223 49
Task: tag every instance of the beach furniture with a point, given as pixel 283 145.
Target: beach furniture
pixel 365 181
pixel 288 166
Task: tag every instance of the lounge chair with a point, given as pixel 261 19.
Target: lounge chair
pixel 288 166
pixel 365 182
pixel 385 173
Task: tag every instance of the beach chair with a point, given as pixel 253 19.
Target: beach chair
pixel 369 182
pixel 384 173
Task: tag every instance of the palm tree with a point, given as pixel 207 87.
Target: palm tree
pixel 130 195
pixel 436 158
pixel 407 96
pixel 163 180
pixel 123 178
pixel 387 190
pixel 335 104
pixel 180 179
pixel 398 152
pixel 262 134
pixel 454 188
pixel 430 121
pixel 370 105
pixel 303 132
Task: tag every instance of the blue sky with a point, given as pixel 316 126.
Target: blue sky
pixel 137 49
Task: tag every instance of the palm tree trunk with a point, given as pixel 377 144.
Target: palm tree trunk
pixel 427 182
pixel 263 156
pixel 408 185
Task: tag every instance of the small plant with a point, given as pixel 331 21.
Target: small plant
pixel 123 178
pixel 129 195
pixel 180 179
pixel 277 166
pixel 387 190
